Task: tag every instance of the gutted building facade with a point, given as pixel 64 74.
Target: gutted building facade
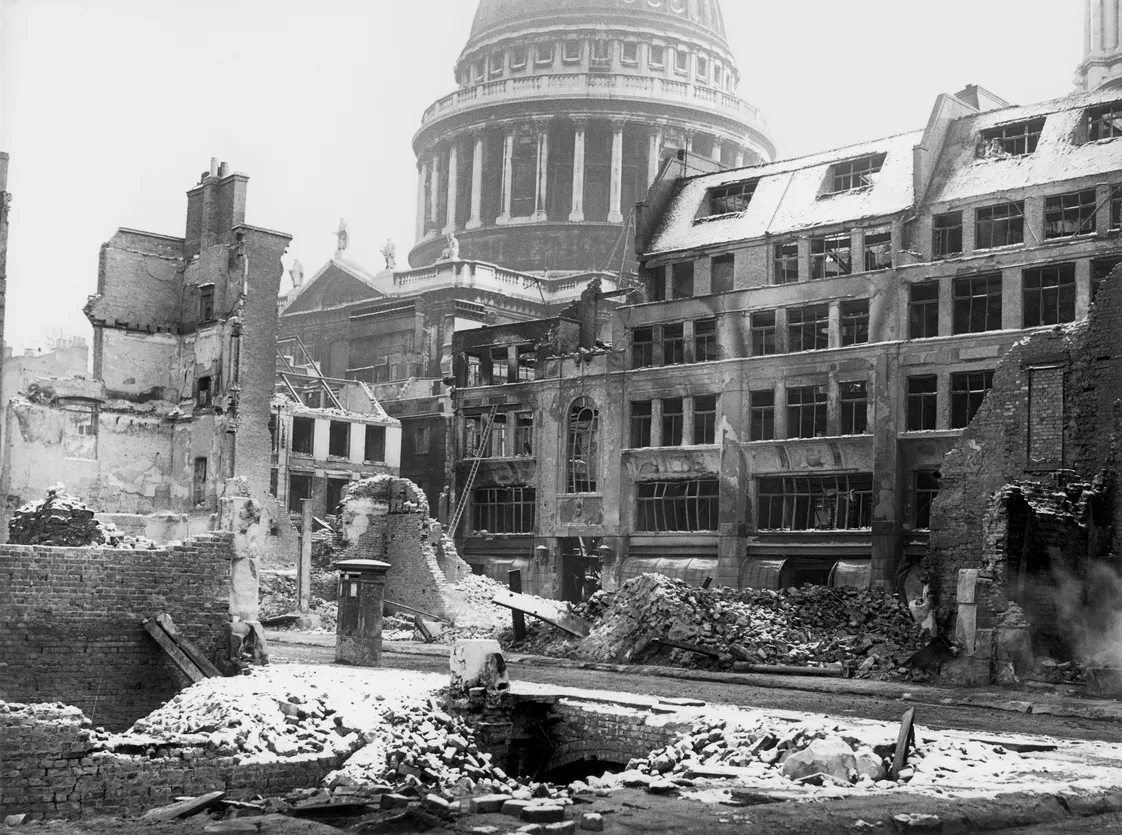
pixel 816 335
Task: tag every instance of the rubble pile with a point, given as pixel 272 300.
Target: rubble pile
pixel 814 626
pixel 278 595
pixel 62 520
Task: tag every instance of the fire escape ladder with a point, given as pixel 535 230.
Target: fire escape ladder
pixel 484 439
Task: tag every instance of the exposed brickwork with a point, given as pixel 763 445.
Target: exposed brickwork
pixel 1046 417
pixel 70 622
pixel 53 769
pixel 607 732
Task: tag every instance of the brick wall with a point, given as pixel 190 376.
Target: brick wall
pixel 70 622
pixel 610 733
pixel 52 768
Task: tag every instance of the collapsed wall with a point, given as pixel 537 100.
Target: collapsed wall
pixel 1028 512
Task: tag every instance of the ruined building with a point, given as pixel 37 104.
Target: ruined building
pixel 1102 45
pixel 818 333
pixel 184 358
pixel 562 115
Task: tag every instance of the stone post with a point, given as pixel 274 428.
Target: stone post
pixel 304 568
pixel 616 191
pixel 422 171
pixel 434 192
pixel 508 175
pixel 453 185
pixel 475 221
pixel 577 213
pixel 542 178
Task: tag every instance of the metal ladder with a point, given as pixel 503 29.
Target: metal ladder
pixel 484 439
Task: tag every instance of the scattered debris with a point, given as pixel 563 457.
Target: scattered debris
pixel 183 808
pixel 552 612
pixel 62 520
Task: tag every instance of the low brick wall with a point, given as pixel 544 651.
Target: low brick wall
pixel 50 768
pixel 610 733
pixel 70 622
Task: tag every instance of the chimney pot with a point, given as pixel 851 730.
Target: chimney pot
pixel 214 166
pixel 223 170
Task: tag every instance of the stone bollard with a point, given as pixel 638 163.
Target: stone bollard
pixel 358 632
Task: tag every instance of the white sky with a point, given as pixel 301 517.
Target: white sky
pixel 111 109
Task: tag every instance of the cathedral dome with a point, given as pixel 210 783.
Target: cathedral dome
pixel 492 16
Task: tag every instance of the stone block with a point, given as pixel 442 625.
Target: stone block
pixel 488 802
pixel 514 807
pixel 543 813
pixel 592 822
pixel 478 663
pixel 823 756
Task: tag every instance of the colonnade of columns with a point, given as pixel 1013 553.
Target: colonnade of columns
pixel 436 180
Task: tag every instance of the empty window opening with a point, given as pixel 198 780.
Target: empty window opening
pixel 855 322
pixel 763 333
pixel 856 173
pixel 303 432
pixel 732 198
pixel 854 408
pixel 878 249
pixel 475 445
pixel 374 449
pixel 1070 215
pixel 339 439
pixel 421 440
pixel 705 340
pixel 831 256
pixel 642 347
pixel 925 489
pixel 641 416
pixel 584 447
pixel 681 279
pixel 977 304
pixel 806 411
pixel 705 419
pixel 1002 225
pixel 503 509
pixel 923 310
pixel 762 405
pixel 808 328
pixel 206 302
pixel 1100 269
pixel 1048 295
pixel 687 505
pixel 1013 140
pixel 527 364
pixel 523 434
pixel 947 235
pixel 673 421
pixel 198 482
pixel 335 487
pixel 813 503
pixel 968 390
pixel 499 366
pixel 299 488
pixel 1116 207
pixel 923 402
pixel 673 344
pixel 786 263
pixel 1104 122
pixel 474 376
pixel 203 394
pixel 722 272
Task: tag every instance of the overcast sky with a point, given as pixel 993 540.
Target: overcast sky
pixel 111 109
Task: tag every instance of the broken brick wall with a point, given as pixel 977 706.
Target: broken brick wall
pixel 1050 426
pixel 52 769
pixel 70 622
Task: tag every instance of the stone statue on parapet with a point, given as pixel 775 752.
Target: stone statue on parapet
pixel 389 252
pixel 342 236
pixel 451 252
pixel 297 273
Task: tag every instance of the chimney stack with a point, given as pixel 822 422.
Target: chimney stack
pixel 214 207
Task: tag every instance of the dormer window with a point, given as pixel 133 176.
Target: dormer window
pixel 730 199
pixel 570 52
pixel 544 54
pixel 1015 140
pixel 518 58
pixel 1104 122
pixel 855 173
pixel 630 54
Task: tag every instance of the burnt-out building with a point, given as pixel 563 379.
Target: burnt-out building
pixel 816 335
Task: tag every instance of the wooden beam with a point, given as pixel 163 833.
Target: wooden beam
pixel 548 610
pixel 518 620
pixel 188 647
pixel 183 808
pixel 178 656
pixel 903 740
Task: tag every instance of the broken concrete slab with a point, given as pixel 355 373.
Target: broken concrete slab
pixel 184 808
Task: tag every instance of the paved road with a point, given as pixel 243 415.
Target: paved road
pixel 929 713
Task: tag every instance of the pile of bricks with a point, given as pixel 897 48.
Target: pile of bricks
pixel 62 520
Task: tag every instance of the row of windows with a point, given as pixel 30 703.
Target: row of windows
pixel 339 439
pixel 1103 122
pixel 511 435
pixel 807 411
pixel 601 53
pixel 669 430
pixel 1065 216
pixel 968 389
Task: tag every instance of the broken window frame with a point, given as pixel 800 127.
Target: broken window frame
pixel 831 256
pixel 295 445
pixel 673 421
pixel 855 174
pixel 1116 207
pixel 761 405
pixel 922 398
pixel 374 444
pixel 923 310
pixel 785 257
pixel 731 198
pixel 583 459
pixel 976 304
pixel 681 280
pixel 806 411
pixel 295 495
pixel 527 364
pixel 1101 268
pixel 878 249
pixel 999 225
pixel 642 417
pixel 705 347
pixel 504 510
pixel 206 303
pixel 1016 139
pixel 764 342
pixel 1104 122
pixel 1070 215
pixel 815 503
pixel 704 419
pixel 854 322
pixel 339 439
pixel 500 366
pixel 642 347
pixel 946 234
pixel 854 405
pixel 674 344
pixel 968 391
pixel 925 487
pixel 677 506
pixel 473 377
pixel 1048 295
pixel 475 446
pixel 524 434
pixel 204 395
pixel 808 328
pixel 334 486
pixel 722 273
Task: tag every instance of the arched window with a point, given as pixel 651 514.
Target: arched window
pixel 584 447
